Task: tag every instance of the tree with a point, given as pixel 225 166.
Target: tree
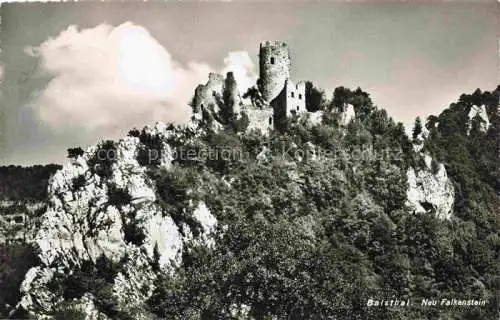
pixel 417 128
pixel 134 133
pixel 74 153
pixel 341 96
pixel 431 122
pixel 25 183
pixel 150 151
pixel 362 103
pixel 103 159
pixel 15 260
pixel 315 97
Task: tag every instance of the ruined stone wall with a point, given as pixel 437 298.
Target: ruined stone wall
pixel 315 118
pixel 279 109
pixel 217 84
pixel 280 96
pixel 231 86
pixel 18 220
pixel 274 62
pixel 290 101
pixel 295 98
pixel 204 94
pixel 259 119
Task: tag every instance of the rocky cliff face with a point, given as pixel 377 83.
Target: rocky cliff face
pixel 347 115
pixel 480 113
pixel 430 192
pixel 83 224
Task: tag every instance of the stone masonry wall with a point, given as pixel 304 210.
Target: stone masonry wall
pixel 295 98
pixel 204 94
pixel 259 119
pixel 274 61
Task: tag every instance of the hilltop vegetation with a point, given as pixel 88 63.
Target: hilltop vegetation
pixel 312 219
pixel 315 239
pixel 25 183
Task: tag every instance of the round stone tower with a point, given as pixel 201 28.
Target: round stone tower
pixel 274 62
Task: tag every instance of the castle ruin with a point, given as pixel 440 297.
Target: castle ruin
pixel 278 98
pixel 285 98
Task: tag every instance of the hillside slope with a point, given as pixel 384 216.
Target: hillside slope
pixel 214 221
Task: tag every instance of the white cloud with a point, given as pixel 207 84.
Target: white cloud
pixel 240 63
pixel 106 80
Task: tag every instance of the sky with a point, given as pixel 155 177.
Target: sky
pixel 74 74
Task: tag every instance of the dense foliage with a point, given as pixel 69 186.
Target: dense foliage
pixel 25 183
pixel 151 148
pixel 95 278
pixel 315 97
pixel 313 220
pixel 15 260
pixel 315 239
pixel 103 158
pixel 24 189
pixel 74 153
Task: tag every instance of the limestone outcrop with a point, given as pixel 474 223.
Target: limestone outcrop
pixel 83 224
pixel 430 192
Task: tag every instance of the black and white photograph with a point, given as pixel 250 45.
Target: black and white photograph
pixel 250 160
